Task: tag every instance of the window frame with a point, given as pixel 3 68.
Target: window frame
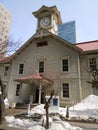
pixel 6 72
pixel 21 69
pixel 65 58
pixel 62 91
pixel 17 92
pixel 41 68
pixel 42 43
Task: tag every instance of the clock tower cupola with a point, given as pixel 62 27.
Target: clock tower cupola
pixel 48 18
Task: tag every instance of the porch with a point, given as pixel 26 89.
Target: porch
pixel 39 86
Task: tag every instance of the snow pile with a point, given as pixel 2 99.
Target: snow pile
pixel 7 104
pixel 32 125
pixel 90 102
pixel 87 108
pixel 38 109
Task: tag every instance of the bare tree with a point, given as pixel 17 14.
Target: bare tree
pixel 6 48
pixel 47 104
pixel 94 81
pixel 12 45
pixel 9 46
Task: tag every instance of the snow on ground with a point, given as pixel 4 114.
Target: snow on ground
pixel 90 102
pixel 32 125
pixel 85 109
pixel 7 104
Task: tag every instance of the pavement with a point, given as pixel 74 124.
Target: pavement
pixel 8 128
pixel 15 111
pixel 85 125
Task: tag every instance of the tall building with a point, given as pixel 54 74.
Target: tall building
pixel 5 23
pixel 67 31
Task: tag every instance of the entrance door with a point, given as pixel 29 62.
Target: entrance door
pixel 37 96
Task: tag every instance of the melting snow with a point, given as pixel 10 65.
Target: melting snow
pixel 85 109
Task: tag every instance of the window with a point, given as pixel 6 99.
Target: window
pixel 43 43
pixel 21 68
pixel 66 90
pixel 41 67
pixel 6 70
pixel 18 90
pixel 92 63
pixel 5 89
pixel 65 65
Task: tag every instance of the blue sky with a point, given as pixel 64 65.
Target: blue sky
pixel 84 12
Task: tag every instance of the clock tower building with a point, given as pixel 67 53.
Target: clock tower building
pixel 48 18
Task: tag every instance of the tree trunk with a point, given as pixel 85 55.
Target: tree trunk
pixel 2 110
pixel 47 116
pixel 47 103
pixel 2 105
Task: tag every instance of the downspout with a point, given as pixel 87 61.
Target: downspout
pixel 79 76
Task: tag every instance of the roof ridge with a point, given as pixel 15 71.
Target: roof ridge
pixel 86 42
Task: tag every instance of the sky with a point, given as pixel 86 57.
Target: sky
pixel 24 24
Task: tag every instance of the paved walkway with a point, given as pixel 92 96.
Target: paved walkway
pixel 15 111
pixel 86 125
pixel 8 128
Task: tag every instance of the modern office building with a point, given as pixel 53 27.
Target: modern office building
pixel 5 23
pixel 67 31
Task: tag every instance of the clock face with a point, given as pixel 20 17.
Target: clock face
pixel 44 21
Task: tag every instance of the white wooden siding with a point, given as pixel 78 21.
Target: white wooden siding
pixel 52 54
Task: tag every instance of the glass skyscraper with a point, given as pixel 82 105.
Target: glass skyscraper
pixel 67 31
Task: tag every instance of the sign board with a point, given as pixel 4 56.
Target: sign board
pixel 54 105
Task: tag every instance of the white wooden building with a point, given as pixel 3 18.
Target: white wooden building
pixel 50 62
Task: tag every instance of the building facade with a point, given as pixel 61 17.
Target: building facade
pixel 46 62
pixel 5 23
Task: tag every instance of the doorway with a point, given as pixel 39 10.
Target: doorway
pixel 37 96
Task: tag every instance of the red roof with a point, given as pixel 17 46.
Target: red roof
pixel 88 46
pixel 30 77
pixel 36 76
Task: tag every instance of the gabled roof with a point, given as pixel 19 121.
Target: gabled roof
pixel 33 77
pixel 43 33
pixel 89 46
